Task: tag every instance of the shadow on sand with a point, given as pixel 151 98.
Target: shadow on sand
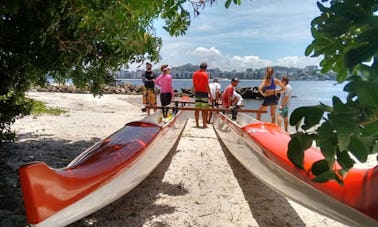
pixel 268 207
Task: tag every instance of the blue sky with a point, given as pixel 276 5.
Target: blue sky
pixel 256 34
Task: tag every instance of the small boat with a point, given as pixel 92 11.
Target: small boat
pixel 261 148
pixel 101 174
pixel 250 93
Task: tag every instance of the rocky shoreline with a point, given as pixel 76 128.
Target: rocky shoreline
pixel 126 89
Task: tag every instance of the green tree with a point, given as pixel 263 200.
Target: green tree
pixel 80 40
pixel 345 34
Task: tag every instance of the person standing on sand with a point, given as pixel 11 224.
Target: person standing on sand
pixel 215 88
pixel 164 81
pixel 268 89
pixel 149 96
pixel 201 92
pixel 227 97
pixel 284 104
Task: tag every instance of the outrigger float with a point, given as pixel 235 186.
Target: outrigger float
pixel 261 148
pixel 115 165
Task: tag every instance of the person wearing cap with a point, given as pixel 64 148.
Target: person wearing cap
pixel 227 97
pixel 268 89
pixel 164 81
pixel 215 88
pixel 149 96
pixel 201 92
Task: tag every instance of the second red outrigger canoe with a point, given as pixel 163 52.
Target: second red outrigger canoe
pixel 101 174
pixel 262 147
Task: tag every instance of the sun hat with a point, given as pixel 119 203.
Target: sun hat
pixel 168 67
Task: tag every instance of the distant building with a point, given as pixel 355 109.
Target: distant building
pixel 311 68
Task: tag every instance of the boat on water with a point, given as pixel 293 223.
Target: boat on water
pixel 261 148
pixel 101 174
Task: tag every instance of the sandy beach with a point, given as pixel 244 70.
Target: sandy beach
pixel 197 184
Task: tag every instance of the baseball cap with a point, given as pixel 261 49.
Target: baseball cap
pixel 235 79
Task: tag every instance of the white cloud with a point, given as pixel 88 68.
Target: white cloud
pixel 216 59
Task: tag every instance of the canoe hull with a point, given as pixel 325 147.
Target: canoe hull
pixel 259 161
pixel 98 176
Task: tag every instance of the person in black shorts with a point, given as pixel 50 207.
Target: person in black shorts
pixel 268 89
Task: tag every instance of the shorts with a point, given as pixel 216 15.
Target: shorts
pixel 270 100
pixel 201 100
pixel 284 112
pixel 149 96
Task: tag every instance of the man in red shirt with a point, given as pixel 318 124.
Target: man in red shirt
pixel 227 96
pixel 201 90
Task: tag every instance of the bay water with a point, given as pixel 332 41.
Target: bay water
pixel 305 92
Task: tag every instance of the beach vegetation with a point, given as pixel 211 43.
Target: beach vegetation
pixel 345 34
pixel 39 108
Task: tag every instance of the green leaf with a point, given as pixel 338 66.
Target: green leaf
pixel 345 161
pixel 365 93
pixel 227 4
pixel 310 114
pixel 358 149
pixel 370 129
pixel 309 50
pixel 298 144
pixel 320 167
pixel 358 55
pixel 326 176
pixel 327 141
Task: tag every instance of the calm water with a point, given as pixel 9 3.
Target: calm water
pixel 305 93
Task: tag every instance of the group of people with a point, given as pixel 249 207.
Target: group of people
pixel 206 94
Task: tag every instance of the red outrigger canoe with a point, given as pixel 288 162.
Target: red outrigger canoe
pixel 101 174
pixel 261 148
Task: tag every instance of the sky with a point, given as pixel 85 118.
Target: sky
pixel 256 34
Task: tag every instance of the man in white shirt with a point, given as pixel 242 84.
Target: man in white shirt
pixel 215 88
pixel 284 103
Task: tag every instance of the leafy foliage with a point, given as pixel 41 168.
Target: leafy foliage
pixel 346 35
pixel 85 41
